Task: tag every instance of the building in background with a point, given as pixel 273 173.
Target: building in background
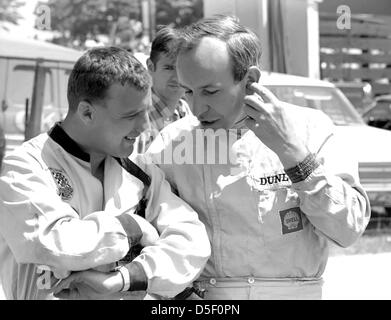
pixel 288 29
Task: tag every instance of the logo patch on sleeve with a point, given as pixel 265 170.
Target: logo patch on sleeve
pixel 291 220
pixel 64 189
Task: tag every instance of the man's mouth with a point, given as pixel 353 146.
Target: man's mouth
pixel 208 122
pixel 174 85
pixel 130 138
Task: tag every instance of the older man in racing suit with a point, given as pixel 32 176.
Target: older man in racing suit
pixel 269 180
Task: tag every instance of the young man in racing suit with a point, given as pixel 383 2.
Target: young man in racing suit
pixel 71 199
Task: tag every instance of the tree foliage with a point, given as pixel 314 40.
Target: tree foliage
pixel 178 12
pixel 9 11
pixel 82 19
pixel 79 20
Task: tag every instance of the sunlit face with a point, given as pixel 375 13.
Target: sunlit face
pixel 165 79
pixel 120 119
pixel 205 73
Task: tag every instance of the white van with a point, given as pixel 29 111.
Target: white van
pixel 33 78
pixel 371 145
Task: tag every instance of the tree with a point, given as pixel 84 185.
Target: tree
pixel 79 20
pixel 9 11
pixel 178 12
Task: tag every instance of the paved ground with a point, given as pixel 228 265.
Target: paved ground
pixel 358 277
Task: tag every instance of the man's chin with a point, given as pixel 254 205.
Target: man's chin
pixel 125 153
pixel 216 125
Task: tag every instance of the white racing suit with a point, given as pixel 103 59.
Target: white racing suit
pixel 54 212
pixel 269 237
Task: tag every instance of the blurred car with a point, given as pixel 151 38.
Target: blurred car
pixel 359 94
pixel 371 145
pixel 33 78
pixel 379 115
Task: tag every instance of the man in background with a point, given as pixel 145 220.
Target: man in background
pixel 168 104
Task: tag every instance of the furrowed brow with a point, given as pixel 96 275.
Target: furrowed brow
pixel 183 86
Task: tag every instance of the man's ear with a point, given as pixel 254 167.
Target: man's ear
pixel 253 75
pixel 86 112
pixel 150 65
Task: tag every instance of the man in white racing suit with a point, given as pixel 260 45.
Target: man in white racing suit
pixel 71 199
pixel 269 180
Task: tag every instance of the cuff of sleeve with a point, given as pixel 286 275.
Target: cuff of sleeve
pixel 132 229
pixel 303 169
pixel 125 278
pixel 138 278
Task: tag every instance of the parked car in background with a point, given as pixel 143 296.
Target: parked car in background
pixel 33 86
pixel 371 145
pixel 359 94
pixel 379 115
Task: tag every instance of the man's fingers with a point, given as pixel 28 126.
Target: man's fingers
pixel 251 123
pixel 254 114
pixel 258 105
pixel 266 95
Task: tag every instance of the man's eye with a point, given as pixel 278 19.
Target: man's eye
pixel 210 92
pixel 189 92
pixel 133 116
pixel 169 68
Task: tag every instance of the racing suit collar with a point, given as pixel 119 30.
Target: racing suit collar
pixel 58 135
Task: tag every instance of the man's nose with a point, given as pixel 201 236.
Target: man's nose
pixel 142 122
pixel 198 106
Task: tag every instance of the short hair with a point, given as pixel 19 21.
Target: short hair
pixel 244 47
pixel 164 42
pixel 98 69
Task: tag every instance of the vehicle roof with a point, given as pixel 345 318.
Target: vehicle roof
pixel 34 49
pixel 386 97
pixel 359 85
pixel 273 78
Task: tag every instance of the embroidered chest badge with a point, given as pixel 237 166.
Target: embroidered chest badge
pixel 64 189
pixel 291 220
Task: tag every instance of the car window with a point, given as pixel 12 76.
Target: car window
pixel 329 100
pixel 64 76
pixel 382 110
pixel 21 86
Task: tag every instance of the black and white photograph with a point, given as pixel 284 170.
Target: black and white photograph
pixel 207 150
